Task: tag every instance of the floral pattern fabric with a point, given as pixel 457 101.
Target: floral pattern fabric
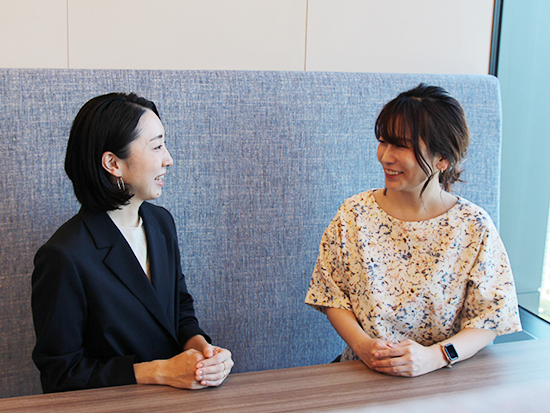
pixel 422 280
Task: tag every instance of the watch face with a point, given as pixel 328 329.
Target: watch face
pixel 451 351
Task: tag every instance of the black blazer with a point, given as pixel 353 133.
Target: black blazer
pixel 95 311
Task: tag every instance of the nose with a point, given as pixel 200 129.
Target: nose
pixel 168 159
pixel 385 153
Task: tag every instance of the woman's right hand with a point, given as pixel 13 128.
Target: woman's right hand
pixel 347 326
pixel 367 347
pixel 178 371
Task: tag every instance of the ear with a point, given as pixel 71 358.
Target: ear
pixel 111 163
pixel 442 164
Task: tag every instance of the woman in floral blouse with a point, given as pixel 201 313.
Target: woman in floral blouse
pixel 412 277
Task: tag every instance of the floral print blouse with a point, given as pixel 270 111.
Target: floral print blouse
pixel 423 280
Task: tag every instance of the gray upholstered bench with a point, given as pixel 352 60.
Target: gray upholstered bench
pixel 262 162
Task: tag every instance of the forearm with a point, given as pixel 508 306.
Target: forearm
pixel 178 371
pixel 377 354
pixel 148 372
pixel 75 372
pixel 468 342
pixel 409 358
pixel 346 325
pixel 59 308
pixel 154 372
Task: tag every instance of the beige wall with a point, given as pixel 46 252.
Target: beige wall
pixel 429 36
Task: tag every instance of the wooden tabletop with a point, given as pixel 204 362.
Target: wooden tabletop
pixel 502 374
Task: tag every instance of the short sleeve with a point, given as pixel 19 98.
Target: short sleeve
pixel 491 301
pixel 328 286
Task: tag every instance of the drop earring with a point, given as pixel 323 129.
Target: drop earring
pixel 120 183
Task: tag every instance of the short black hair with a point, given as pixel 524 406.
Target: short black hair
pixel 105 123
pixel 430 114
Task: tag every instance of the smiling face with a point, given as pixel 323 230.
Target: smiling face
pixel 401 169
pixel 143 171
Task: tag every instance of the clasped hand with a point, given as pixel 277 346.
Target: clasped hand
pixel 194 369
pixel 198 366
pixel 406 358
pixel 214 367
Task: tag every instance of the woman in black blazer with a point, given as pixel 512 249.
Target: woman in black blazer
pixel 109 300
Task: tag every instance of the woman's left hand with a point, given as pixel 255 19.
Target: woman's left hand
pixel 215 367
pixel 408 359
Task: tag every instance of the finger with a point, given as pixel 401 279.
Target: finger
pixel 404 343
pixel 390 362
pixel 395 371
pixel 210 371
pixel 211 377
pixel 392 352
pixel 224 368
pixel 221 356
pixel 197 385
pixel 382 345
pixel 394 367
pixel 211 367
pixel 208 350
pixel 208 383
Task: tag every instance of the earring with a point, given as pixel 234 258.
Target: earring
pixel 120 183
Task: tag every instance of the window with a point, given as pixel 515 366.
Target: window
pixel 522 68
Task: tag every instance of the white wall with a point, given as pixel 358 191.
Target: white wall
pixel 413 36
pixel 33 33
pixel 430 36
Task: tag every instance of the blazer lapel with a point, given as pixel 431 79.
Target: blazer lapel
pixel 123 263
pixel 162 279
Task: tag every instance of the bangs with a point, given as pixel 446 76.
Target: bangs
pixel 394 130
pixel 399 128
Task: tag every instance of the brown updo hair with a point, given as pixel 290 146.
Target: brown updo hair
pixel 430 114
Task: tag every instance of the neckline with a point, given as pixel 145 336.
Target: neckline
pixel 438 217
pixel 139 225
pixel 128 228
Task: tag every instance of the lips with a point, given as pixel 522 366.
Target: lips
pixel 160 179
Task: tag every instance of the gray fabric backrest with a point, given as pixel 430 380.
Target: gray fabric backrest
pixel 262 162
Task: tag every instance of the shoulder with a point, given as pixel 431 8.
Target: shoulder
pixel 361 200
pixel 357 211
pixel 86 230
pixel 71 243
pixel 69 234
pixel 473 214
pixel 474 223
pixel 359 207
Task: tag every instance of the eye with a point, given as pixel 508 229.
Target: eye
pixel 161 144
